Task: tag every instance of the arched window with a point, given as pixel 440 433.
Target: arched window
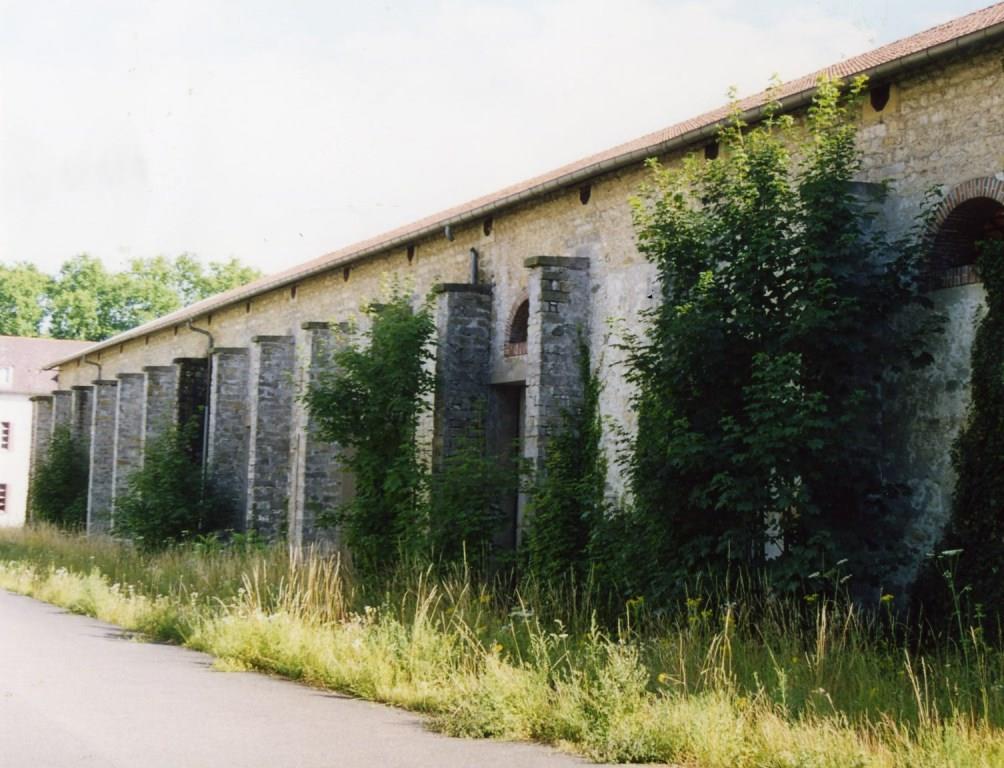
pixel 953 255
pixel 516 334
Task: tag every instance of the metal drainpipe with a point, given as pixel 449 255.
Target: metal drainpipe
pixel 96 365
pixel 209 394
pixel 474 266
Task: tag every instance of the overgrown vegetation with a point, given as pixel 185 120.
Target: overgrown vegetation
pixel 57 493
pixel 168 500
pixel 724 679
pixel 370 403
pixel 566 532
pixel 977 523
pixel 758 379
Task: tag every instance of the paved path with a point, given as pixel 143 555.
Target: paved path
pixel 76 692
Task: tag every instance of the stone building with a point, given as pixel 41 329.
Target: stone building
pixel 519 274
pixel 22 380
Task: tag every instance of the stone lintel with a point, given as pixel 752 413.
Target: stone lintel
pixel 157 368
pixel 40 398
pixel 105 383
pixel 461 288
pixel 315 325
pixel 129 376
pixel 61 391
pixel 81 387
pixel 230 350
pixel 270 339
pixel 568 262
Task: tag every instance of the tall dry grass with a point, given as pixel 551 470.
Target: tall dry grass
pixel 732 678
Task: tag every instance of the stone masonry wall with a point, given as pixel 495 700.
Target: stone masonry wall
pixel 943 125
pixel 81 415
pixel 228 428
pixel 317 482
pixel 160 396
pixel 559 326
pixel 62 409
pixel 463 367
pixel 41 429
pixel 100 488
pixel 128 430
pixel 271 412
pixel 192 381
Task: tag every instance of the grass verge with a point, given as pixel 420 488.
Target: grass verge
pixel 719 684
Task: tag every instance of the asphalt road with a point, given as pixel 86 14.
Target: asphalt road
pixel 77 692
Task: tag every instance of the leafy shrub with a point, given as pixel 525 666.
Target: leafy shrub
pixel 758 378
pixel 168 500
pixel 464 515
pixel 565 520
pixel 370 404
pixel 58 490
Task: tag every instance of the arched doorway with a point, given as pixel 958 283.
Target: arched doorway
pixel 972 213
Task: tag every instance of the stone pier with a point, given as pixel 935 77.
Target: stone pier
pixel 81 415
pixel 41 429
pixel 100 482
pixel 227 458
pixel 160 401
pixel 192 382
pixel 62 408
pixel 318 484
pixel 559 321
pixel 270 415
pixel 463 368
pixel 128 430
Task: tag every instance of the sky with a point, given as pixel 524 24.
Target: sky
pixel 279 131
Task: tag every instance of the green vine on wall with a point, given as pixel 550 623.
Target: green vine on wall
pixel 566 516
pixel 977 522
pixel 758 378
pixel 370 404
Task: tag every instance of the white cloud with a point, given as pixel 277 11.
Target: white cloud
pixel 277 132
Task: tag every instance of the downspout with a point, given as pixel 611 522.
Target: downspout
pixel 96 365
pixel 474 266
pixel 209 394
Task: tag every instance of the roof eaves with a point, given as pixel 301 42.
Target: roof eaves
pixel 629 157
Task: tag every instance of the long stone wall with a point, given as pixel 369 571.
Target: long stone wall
pixel 943 125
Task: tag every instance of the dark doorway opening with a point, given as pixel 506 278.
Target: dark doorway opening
pixel 509 405
pixel 953 261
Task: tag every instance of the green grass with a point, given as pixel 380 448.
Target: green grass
pixel 751 682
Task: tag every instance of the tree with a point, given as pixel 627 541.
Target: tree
pixel 22 310
pixel 758 376
pixel 86 301
pixel 370 404
pixel 83 301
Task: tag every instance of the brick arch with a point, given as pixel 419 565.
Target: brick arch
pixel 512 348
pixel 952 258
pixel 986 186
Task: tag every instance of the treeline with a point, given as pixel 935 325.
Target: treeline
pixel 86 300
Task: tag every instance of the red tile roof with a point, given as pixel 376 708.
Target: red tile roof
pixel 25 359
pixel 939 40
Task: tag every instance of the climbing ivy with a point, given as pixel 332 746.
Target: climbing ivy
pixel 977 523
pixel 370 403
pixel 57 493
pixel 567 510
pixel 758 377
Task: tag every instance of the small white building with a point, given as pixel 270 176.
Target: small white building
pixel 21 378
